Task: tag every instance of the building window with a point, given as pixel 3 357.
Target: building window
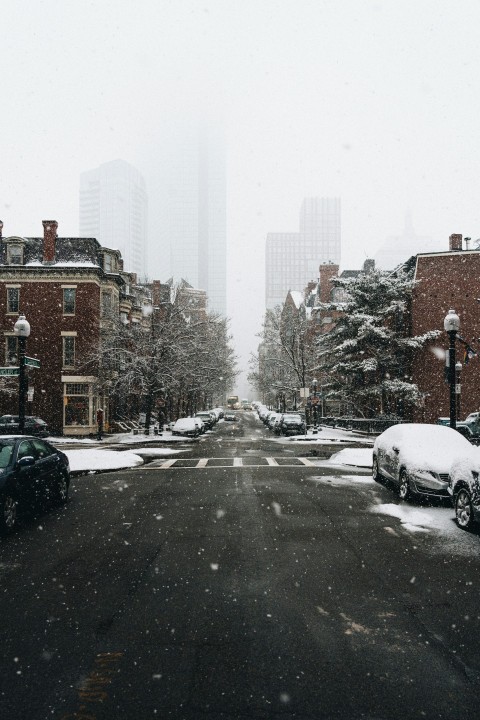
pixel 77 389
pixel 15 255
pixel 13 300
pixel 77 403
pixel 69 351
pixel 107 303
pixel 11 350
pixel 69 299
pixel 108 263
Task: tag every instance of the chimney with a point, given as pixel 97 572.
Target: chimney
pixel 156 293
pixel 327 273
pixel 1 228
pixel 455 242
pixel 49 240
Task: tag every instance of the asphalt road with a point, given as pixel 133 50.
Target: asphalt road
pixel 239 581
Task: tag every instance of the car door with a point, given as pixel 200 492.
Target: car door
pixel 47 463
pixel 388 455
pixel 29 483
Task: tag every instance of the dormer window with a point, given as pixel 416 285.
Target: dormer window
pixel 14 254
pixel 109 264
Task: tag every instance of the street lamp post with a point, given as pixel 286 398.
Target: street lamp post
pixel 458 387
pixel 315 405
pixel 452 326
pixel 22 331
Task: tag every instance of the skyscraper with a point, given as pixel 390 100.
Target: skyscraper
pixel 188 227
pixel 113 209
pixel 292 258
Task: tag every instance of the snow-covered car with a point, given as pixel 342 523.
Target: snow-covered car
pixel 230 417
pixel 187 427
pixel 200 424
pixel 464 487
pixel 206 418
pixel 417 458
pixel 273 419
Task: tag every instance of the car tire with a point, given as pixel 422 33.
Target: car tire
pixel 60 492
pixel 8 513
pixel 375 473
pixel 463 509
pixel 404 489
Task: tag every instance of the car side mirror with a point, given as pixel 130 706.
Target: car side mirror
pixel 26 461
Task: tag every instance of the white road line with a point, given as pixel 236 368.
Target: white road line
pixel 306 462
pixel 231 462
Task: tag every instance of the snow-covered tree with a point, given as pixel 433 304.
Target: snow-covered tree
pixel 176 357
pixel 286 352
pixel 365 360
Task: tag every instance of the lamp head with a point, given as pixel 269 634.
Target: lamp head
pixel 452 321
pixel 22 327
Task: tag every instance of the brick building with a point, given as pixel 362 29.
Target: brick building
pixel 446 280
pixel 64 287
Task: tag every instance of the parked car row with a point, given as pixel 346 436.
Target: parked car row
pixel 9 425
pixel 281 423
pixel 431 461
pixel 198 424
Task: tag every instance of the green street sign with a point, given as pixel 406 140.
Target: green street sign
pixel 10 371
pixel 32 362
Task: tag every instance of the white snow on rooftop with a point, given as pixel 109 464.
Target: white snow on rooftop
pixel 83 263
pixel 297 297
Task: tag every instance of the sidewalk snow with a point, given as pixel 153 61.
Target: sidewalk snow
pixel 96 460
pixel 326 436
pixel 357 457
pixel 121 439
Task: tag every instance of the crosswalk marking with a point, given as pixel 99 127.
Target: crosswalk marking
pixel 231 462
pixel 307 462
pixel 168 463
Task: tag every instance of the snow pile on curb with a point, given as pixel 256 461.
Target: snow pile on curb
pixel 98 460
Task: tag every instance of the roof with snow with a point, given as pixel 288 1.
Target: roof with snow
pixel 297 298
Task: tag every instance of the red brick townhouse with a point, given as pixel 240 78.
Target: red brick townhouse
pixel 63 286
pixel 445 280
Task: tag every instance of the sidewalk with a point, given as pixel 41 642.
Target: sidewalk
pixel 115 452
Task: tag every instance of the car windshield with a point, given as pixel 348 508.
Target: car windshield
pixel 296 418
pixel 6 450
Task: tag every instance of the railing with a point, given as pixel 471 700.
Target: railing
pixel 373 426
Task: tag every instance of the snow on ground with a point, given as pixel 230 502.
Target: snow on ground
pixel 437 521
pixel 326 436
pixel 358 457
pixel 161 452
pixel 121 439
pixel 343 480
pixel 414 518
pixel 97 460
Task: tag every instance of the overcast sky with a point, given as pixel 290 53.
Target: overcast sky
pixel 372 101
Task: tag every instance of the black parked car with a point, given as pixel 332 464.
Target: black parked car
pixel 32 472
pixel 291 424
pixel 9 425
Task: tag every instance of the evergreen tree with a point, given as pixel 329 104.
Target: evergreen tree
pixel 365 359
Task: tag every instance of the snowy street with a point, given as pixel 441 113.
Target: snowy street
pixel 239 576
